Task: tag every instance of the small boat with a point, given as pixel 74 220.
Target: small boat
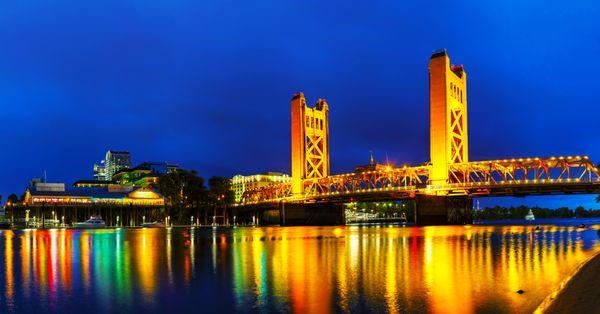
pixel 93 222
pixel 530 216
pixel 154 224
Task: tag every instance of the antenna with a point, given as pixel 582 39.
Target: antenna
pixel 45 177
pixel 371 159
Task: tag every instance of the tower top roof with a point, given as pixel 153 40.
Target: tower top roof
pixel 439 53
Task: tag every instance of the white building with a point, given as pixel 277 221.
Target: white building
pixel 240 183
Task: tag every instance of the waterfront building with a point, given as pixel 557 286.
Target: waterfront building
pixel 112 163
pixel 93 183
pixel 48 204
pixel 240 183
pixel 111 195
pixel 143 174
pixel 47 186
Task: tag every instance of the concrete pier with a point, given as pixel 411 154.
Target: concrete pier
pixel 443 210
pixel 301 214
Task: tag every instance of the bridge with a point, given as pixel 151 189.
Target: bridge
pixel 442 188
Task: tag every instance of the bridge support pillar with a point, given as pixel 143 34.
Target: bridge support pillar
pixel 293 214
pixel 443 210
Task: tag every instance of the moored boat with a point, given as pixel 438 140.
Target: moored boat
pixel 93 222
pixel 153 224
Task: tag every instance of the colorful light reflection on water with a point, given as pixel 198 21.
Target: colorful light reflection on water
pixel 300 269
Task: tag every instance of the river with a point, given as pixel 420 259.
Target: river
pixel 459 269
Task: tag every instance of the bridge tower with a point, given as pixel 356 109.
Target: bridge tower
pixel 447 116
pixel 310 142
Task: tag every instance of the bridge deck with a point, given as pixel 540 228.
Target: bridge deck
pixel 507 177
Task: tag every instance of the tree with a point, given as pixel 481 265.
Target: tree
pixel 220 194
pixel 580 212
pixel 184 193
pixel 12 199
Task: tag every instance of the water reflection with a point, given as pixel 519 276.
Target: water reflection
pixel 392 269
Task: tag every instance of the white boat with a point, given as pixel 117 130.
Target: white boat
pixel 93 222
pixel 530 216
pixel 153 224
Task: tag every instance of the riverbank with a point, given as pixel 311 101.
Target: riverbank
pixel 579 294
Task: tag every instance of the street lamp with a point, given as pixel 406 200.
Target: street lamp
pixel 117 221
pixel 53 219
pixel 192 221
pixel 143 219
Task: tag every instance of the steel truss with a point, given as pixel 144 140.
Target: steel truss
pixel 405 177
pixel 470 178
pixel 526 171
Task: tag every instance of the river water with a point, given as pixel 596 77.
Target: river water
pixel 458 269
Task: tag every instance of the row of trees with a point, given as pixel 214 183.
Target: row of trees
pixel 186 195
pixel 519 212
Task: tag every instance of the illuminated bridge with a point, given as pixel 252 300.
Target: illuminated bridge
pixel 442 188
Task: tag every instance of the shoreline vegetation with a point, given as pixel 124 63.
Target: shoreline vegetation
pixel 519 212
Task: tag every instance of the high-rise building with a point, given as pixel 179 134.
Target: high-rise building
pixel 100 172
pixel 112 163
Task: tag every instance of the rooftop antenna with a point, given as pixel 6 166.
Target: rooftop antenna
pixel 45 177
pixel 371 159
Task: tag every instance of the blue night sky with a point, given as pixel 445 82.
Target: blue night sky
pixel 207 84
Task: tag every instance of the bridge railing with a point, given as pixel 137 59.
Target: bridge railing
pixel 388 178
pixel 271 193
pixel 382 179
pixel 564 169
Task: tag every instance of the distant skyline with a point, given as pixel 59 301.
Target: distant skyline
pixel 207 85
